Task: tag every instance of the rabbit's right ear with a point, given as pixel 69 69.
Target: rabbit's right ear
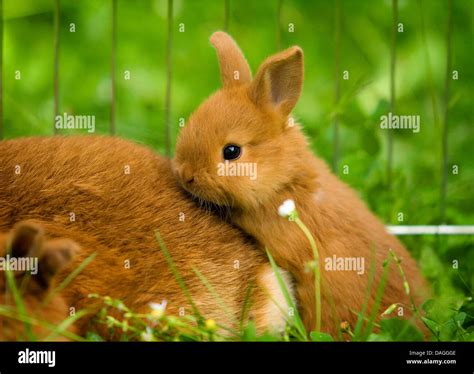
pixel 279 81
pixel 234 67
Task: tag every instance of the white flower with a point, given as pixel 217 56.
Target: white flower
pixel 158 309
pixel 287 208
pixel 147 336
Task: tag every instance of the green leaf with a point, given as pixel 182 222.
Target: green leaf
pixel 432 325
pixel 250 332
pixel 397 329
pixel 427 305
pixel 468 309
pixel 93 337
pixel 320 337
pixel 377 338
pixel 268 337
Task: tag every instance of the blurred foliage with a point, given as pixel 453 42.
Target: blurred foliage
pixel 365 53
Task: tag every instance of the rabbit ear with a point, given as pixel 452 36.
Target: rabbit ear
pixel 279 80
pixel 56 255
pixel 234 67
pixel 26 239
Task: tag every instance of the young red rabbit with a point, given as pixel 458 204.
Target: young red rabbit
pixel 247 126
pixel 40 259
pixel 110 196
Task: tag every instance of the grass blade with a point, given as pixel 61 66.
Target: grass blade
pixel 69 278
pixel 360 319
pixel 216 296
pixel 11 285
pixel 378 299
pixel 296 320
pixel 177 275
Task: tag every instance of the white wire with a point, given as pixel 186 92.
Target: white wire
pixel 431 230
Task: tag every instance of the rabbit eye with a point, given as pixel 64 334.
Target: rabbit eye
pixel 231 152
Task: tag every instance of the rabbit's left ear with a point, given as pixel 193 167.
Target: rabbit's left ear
pixel 234 67
pixel 279 81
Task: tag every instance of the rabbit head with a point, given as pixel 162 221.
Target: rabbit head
pixel 241 146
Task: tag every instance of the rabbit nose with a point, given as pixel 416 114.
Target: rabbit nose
pixel 186 175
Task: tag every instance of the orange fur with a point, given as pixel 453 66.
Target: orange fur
pixel 255 116
pixel 116 215
pixel 27 240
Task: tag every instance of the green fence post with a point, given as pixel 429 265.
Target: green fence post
pixel 113 60
pixel 1 69
pixel 56 62
pixel 337 84
pixel 393 59
pixel 226 14
pixel 444 140
pixel 278 24
pixel 169 46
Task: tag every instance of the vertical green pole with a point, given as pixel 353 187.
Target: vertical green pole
pixel 393 59
pixel 169 46
pixel 226 15
pixel 337 83
pixel 445 133
pixel 278 24
pixel 56 62
pixel 1 69
pixel 113 60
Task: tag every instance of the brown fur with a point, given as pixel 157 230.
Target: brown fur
pixel 116 215
pixel 255 116
pixel 27 239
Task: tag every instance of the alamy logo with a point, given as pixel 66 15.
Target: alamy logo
pixel 237 169
pixel 37 357
pixel 335 263
pixel 19 264
pixel 68 121
pixel 393 121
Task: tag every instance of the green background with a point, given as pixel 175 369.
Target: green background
pixel 85 79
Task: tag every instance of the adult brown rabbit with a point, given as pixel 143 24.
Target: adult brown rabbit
pixel 242 150
pixel 110 196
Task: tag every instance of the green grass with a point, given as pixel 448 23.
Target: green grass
pixel 444 322
pixel 364 46
pixel 446 318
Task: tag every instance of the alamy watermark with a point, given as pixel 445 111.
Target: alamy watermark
pixel 69 121
pixel 19 264
pixel 334 263
pixel 404 122
pixel 237 169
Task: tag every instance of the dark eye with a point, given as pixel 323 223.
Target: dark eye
pixel 231 152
